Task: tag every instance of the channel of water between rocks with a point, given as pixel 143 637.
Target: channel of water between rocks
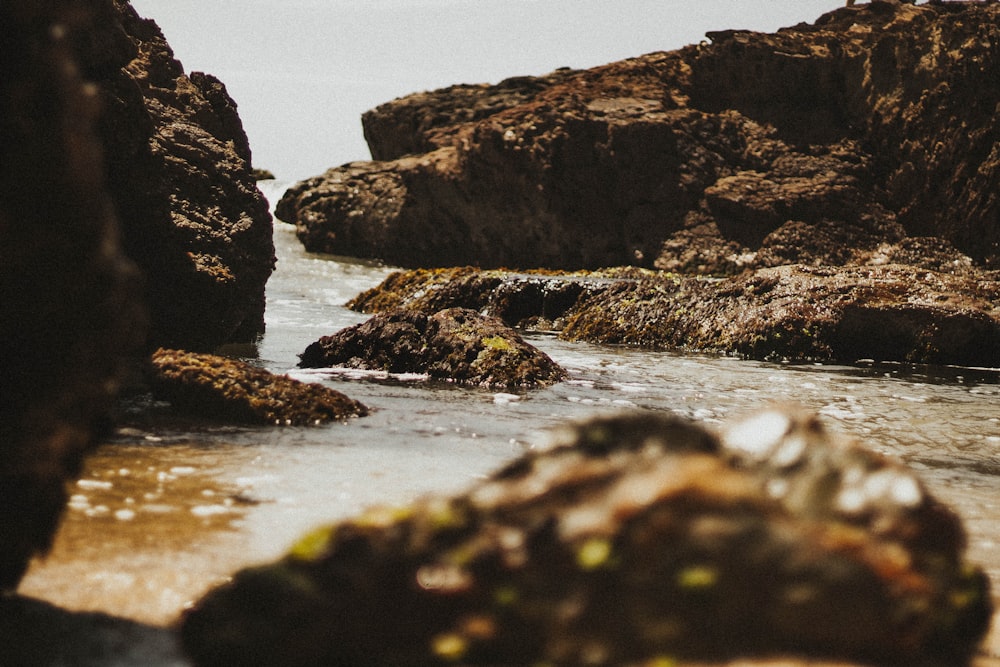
pixel 162 513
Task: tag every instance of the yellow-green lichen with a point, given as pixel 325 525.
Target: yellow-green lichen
pixel 498 343
pixel 595 553
pixel 313 545
pixel 698 577
pixel 506 596
pixel 449 646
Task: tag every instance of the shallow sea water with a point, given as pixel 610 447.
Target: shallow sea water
pixel 162 514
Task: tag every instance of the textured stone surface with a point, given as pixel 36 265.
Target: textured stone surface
pixel 180 177
pixel 631 540
pixel 224 389
pixel 817 144
pixel 70 313
pixel 458 345
pixel 885 312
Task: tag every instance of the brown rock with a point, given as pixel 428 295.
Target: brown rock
pixel 180 177
pixel 882 311
pixel 70 314
pixel 227 390
pixel 633 540
pixel 873 124
pixel 457 345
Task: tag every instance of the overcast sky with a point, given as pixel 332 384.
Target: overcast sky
pixel 303 71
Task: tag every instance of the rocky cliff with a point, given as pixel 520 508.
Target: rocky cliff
pixel 179 173
pixel 826 143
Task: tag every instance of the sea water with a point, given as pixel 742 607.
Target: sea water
pixel 163 513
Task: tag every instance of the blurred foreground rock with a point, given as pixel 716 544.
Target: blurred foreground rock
pixel 224 389
pixel 70 306
pixel 631 540
pixel 456 344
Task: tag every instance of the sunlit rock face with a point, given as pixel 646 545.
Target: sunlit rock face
pixel 829 143
pixel 70 310
pixel 639 539
pixel 180 175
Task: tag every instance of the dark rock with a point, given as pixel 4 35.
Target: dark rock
pixel 874 124
pixel 633 540
pixel 71 314
pixel 457 345
pixel 228 390
pixel 41 635
pixel 181 180
pixel 885 312
pixel 534 300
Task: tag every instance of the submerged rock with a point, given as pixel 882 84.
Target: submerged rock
pixel 224 389
pixel 817 145
pixel 457 345
pixel 632 540
pixel 71 315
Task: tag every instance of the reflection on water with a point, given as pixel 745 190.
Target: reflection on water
pixel 159 516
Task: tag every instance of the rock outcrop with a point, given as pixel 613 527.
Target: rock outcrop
pixel 181 180
pixel 70 311
pixel 455 345
pixel 888 312
pixel 633 540
pixel 818 144
pixel 221 389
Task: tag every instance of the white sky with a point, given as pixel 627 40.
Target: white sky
pixel 303 71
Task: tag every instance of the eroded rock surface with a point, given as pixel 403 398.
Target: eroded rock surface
pixel 181 180
pixel 224 389
pixel 457 344
pixel 884 312
pixel 820 144
pixel 632 540
pixel 70 312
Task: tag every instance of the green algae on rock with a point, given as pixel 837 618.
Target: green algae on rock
pixel 939 313
pixel 225 389
pixel 457 345
pixel 630 539
pixel 885 313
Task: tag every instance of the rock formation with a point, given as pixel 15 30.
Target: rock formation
pixel 818 144
pixel 887 312
pixel 632 540
pixel 71 313
pixel 125 181
pixel 457 345
pixel 180 176
pixel 223 389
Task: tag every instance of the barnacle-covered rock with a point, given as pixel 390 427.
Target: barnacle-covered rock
pixel 225 389
pixel 456 344
pixel 637 539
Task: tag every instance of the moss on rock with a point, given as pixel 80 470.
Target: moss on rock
pixel 229 390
